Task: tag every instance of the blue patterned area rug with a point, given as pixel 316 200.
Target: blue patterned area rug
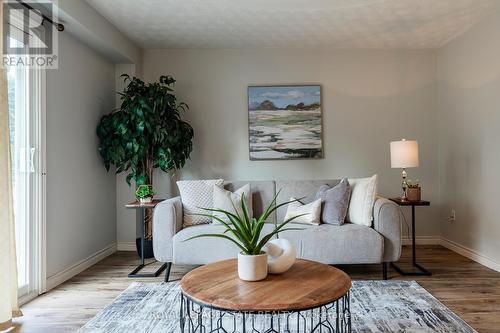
pixel 376 306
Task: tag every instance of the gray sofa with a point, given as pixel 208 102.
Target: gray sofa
pixel 346 244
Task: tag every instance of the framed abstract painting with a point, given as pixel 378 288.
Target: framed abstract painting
pixel 285 122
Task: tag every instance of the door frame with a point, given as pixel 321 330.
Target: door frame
pixel 38 262
pixel 40 182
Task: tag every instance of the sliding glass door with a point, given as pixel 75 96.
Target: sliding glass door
pixel 24 120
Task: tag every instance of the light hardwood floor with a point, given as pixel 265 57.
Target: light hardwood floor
pixel 468 288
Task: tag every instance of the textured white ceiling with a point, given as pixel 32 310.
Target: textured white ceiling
pixel 293 23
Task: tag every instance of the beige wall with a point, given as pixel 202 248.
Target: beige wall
pixel 369 99
pixel 469 128
pixel 81 216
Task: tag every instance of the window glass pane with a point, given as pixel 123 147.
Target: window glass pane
pixel 19 122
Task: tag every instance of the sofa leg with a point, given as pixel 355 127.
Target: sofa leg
pixel 167 271
pixel 384 270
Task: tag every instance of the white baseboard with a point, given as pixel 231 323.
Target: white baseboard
pixel 58 278
pixel 471 254
pixel 455 247
pixel 126 246
pixel 423 240
pixel 27 298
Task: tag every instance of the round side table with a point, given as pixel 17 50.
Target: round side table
pixel 310 297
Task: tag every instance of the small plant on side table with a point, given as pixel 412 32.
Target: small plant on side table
pixel 413 190
pixel 144 193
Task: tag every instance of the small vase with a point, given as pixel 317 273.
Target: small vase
pixel 281 255
pixel 145 200
pixel 252 267
pixel 413 193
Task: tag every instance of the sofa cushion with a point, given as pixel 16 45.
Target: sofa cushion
pixel 305 190
pixel 345 244
pixel 231 202
pixel 263 193
pixel 363 194
pixel 304 213
pixel 196 195
pixel 200 251
pixel 335 202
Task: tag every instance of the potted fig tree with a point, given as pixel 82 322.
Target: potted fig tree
pixel 144 134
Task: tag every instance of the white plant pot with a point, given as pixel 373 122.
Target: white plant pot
pixel 145 200
pixel 252 267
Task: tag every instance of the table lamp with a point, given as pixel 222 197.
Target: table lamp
pixel 404 154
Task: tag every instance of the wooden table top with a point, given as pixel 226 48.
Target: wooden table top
pixel 307 284
pixel 410 203
pixel 136 204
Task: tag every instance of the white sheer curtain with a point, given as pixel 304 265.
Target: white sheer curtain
pixel 8 278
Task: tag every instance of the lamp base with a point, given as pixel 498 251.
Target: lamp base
pixel 404 185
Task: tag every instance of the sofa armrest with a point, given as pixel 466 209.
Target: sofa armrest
pixel 387 221
pixel 167 221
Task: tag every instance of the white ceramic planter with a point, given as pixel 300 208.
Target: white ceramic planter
pixel 145 200
pixel 252 267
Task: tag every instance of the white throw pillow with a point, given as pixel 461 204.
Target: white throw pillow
pixel 363 194
pixel 228 201
pixel 312 211
pixel 196 195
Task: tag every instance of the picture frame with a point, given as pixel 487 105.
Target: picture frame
pixel 285 122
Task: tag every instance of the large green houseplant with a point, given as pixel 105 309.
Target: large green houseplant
pixel 145 133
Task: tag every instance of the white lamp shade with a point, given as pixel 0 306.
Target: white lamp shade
pixel 404 154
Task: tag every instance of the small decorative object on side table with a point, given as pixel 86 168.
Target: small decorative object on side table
pixel 422 270
pixel 144 193
pixel 413 190
pixel 142 207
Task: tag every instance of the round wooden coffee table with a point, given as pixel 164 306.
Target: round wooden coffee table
pixel 310 297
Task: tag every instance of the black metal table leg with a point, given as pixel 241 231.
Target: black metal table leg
pixel 141 218
pixel 197 317
pixel 422 270
pixel 135 273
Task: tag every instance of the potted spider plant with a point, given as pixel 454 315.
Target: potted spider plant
pixel 246 233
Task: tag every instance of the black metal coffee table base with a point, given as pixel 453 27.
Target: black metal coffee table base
pixel 334 318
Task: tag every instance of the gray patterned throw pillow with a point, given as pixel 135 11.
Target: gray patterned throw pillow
pixel 335 202
pixel 196 195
